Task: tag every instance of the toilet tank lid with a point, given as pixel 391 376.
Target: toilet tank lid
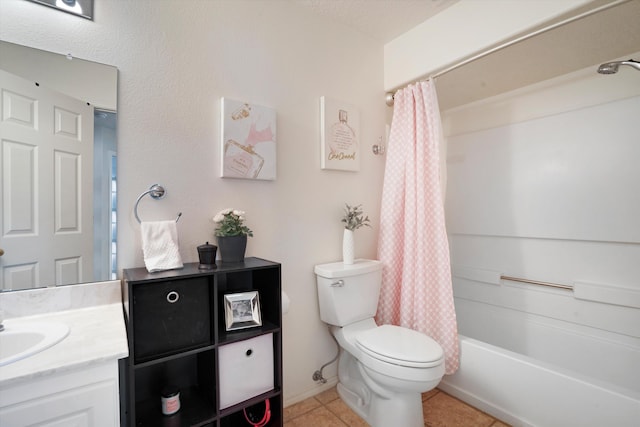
pixel 339 269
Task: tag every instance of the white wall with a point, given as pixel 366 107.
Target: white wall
pixel 542 186
pixel 175 61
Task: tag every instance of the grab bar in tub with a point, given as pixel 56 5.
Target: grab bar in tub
pixel 537 282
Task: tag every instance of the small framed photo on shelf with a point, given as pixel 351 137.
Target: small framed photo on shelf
pixel 242 310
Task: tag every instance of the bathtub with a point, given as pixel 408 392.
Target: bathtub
pixel 524 391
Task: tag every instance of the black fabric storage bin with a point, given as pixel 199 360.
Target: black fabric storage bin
pixel 171 316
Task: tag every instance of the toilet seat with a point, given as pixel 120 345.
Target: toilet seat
pixel 400 346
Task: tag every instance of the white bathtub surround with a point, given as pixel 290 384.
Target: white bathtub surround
pixel 524 391
pixel 539 189
pixel 95 319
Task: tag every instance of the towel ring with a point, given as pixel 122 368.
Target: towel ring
pixel 156 192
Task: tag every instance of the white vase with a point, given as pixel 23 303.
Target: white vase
pixel 347 247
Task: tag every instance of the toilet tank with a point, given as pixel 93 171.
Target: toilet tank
pixel 348 293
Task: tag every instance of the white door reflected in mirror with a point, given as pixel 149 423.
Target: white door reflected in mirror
pixel 47 172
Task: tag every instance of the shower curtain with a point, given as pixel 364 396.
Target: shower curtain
pixel 413 247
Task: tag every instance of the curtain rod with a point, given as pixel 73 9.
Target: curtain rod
pixel 389 95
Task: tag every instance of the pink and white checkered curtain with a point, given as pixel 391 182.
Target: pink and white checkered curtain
pixel 413 247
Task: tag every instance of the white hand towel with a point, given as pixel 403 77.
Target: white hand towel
pixel 160 245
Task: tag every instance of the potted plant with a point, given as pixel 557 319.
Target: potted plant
pixel 353 219
pixel 231 234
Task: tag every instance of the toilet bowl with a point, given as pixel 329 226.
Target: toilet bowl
pixel 382 370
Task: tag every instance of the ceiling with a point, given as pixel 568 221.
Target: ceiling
pixel 383 20
pixel 602 37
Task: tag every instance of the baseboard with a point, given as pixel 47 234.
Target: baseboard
pixel 291 400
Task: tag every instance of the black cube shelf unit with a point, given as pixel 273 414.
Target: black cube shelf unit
pixel 177 332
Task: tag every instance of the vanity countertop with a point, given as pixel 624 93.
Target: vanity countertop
pixel 97 334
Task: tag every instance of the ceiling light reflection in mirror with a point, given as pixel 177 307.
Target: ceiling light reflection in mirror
pixel 82 8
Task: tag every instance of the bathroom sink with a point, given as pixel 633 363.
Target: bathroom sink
pixel 21 340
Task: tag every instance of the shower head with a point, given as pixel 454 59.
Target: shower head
pixel 612 67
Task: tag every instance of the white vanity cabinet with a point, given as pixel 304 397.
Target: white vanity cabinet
pixel 83 397
pixel 75 382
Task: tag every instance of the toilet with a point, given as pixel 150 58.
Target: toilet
pixel 382 370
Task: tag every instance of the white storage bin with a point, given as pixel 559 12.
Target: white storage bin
pixel 246 369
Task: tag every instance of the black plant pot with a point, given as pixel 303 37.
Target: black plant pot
pixel 232 248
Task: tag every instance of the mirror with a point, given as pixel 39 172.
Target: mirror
pixel 58 169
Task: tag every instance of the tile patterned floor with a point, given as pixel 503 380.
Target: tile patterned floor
pixel 440 410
